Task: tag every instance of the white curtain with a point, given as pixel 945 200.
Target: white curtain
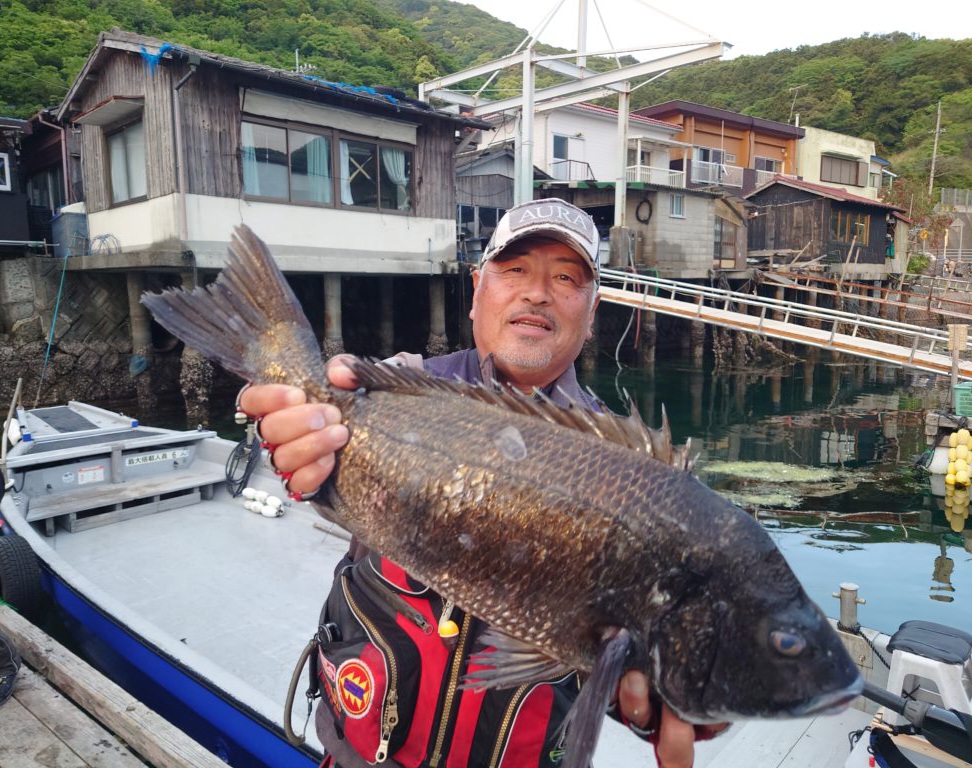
pixel 346 196
pixel 319 170
pixel 393 161
pixel 251 174
pixel 135 146
pixel 119 167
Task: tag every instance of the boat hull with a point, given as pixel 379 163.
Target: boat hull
pixel 226 727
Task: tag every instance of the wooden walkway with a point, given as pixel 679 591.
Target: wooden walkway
pixel 916 347
pixel 64 714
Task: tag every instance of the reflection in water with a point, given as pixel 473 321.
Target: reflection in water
pixel 942 573
pixel 872 519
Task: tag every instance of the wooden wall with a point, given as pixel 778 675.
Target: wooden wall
pixel 435 170
pixel 127 74
pixel 491 190
pixel 789 219
pixel 210 123
pixel 209 106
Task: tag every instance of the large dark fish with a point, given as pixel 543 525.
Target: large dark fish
pixel 553 525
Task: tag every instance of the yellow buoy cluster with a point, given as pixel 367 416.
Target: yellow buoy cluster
pixel 957 478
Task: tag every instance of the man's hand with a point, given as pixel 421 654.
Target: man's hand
pixel 304 435
pixel 675 738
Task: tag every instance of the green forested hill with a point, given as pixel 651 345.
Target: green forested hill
pixel 882 87
pixel 45 42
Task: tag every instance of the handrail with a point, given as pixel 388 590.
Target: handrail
pixel 919 338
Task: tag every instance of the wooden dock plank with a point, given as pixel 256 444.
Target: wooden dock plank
pixel 27 743
pixel 43 729
pixel 157 741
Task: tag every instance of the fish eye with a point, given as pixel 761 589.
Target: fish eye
pixel 787 643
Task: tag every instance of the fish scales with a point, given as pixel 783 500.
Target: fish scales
pixel 483 534
pixel 579 551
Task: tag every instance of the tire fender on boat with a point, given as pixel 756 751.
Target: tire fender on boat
pixel 20 576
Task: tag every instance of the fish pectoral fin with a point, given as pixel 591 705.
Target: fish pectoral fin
pixel 584 720
pixel 506 662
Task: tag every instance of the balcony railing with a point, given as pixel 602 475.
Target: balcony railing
pixel 716 173
pixel 649 174
pixel 571 170
pixel 764 177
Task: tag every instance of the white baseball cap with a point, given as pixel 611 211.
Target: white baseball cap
pixel 550 217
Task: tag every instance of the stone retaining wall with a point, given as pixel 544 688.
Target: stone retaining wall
pixel 90 348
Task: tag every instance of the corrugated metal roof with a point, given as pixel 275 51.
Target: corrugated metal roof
pixel 154 50
pixel 834 193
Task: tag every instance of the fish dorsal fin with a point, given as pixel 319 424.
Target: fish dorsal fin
pixel 630 431
pixel 509 663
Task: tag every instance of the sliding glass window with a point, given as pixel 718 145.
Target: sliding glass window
pixel 326 168
pixel 311 180
pixel 264 150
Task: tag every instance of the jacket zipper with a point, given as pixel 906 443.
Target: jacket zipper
pixel 389 707
pixel 512 708
pixel 457 656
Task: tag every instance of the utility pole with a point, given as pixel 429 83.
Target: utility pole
pixel 938 129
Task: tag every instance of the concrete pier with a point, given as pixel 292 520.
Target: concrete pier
pixel 438 343
pixel 333 333
pixel 195 376
pixel 386 322
pixel 141 322
pixel 647 338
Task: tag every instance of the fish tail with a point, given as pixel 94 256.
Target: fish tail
pixel 248 320
pixel 586 716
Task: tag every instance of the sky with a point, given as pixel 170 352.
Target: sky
pixel 753 27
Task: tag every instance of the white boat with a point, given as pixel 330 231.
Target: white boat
pixel 200 602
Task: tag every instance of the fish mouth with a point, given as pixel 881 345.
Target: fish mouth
pixel 832 702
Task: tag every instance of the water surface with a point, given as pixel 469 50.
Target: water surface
pixel 823 452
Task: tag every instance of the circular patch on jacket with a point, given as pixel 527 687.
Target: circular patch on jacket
pixel 356 687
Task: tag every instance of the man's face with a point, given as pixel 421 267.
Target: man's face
pixel 533 306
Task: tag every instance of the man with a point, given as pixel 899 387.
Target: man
pixel 534 299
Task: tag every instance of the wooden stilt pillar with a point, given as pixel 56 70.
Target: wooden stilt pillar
pixel 776 391
pixel 195 375
pixel 333 335
pixel 142 358
pixel 438 343
pixel 386 330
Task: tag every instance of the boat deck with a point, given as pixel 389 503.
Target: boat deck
pixel 256 630
pixel 221 598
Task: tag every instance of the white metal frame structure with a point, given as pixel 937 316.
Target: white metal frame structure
pixel 917 347
pixel 585 84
